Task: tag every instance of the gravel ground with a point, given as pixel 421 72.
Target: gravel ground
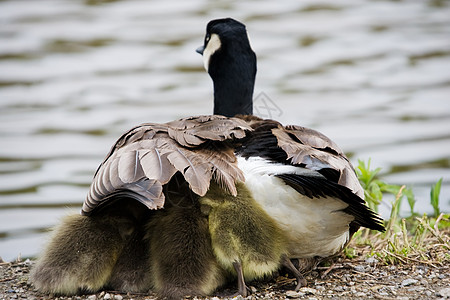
pixel 348 279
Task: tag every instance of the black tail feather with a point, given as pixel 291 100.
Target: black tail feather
pixel 315 187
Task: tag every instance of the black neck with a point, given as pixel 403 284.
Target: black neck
pixel 233 75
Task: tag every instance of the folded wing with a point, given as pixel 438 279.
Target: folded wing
pixel 146 158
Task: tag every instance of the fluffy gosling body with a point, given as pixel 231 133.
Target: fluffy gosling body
pixel 80 256
pixel 105 250
pixel 183 262
pixel 246 241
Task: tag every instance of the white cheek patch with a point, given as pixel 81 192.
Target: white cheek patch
pixel 213 45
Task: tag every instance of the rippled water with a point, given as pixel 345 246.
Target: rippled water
pixel 372 75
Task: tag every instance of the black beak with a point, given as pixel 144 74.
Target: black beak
pixel 200 50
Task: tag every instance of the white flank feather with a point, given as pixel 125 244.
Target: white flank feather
pixel 316 227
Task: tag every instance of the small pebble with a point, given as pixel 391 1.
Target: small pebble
pixel 253 289
pixel 293 294
pixel 339 288
pixel 408 281
pixel 92 297
pixel 107 296
pixel 360 294
pixel 307 290
pixel 118 297
pixel 371 260
pixel 359 268
pixel 393 290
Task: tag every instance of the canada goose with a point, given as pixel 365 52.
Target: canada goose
pixel 132 269
pixel 86 254
pixel 70 264
pixel 182 258
pixel 297 176
pixel 246 241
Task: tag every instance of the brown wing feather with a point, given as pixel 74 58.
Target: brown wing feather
pixel 130 169
pixel 195 171
pixel 306 147
pixel 146 157
pixel 156 165
pixel 314 139
pixel 224 168
pixel 316 151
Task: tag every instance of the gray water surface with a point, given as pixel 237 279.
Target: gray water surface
pixel 372 75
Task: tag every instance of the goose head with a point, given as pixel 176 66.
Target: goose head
pixel 230 61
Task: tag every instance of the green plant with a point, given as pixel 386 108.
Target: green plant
pixel 412 239
pixel 434 197
pixel 374 188
pixel 370 184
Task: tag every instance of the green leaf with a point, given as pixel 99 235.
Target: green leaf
pixel 434 197
pixel 411 199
